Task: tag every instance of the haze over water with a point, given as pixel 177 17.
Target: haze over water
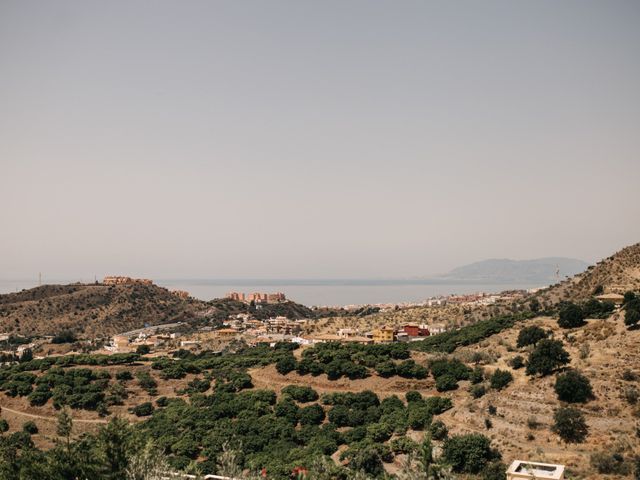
pixel 312 292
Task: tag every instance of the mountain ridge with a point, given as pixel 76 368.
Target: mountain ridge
pixel 504 270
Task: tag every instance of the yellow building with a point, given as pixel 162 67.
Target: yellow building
pixel 383 335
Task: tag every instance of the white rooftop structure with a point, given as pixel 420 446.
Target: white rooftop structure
pixel 521 469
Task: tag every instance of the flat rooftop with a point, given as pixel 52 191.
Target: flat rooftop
pixel 526 469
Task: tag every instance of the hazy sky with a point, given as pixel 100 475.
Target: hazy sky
pixel 314 139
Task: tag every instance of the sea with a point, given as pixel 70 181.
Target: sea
pixel 326 292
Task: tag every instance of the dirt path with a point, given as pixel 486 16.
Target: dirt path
pixel 51 419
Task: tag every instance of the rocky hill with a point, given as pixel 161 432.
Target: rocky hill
pixel 615 274
pixel 91 309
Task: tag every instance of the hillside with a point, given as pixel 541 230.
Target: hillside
pixel 91 309
pixel 538 271
pixel 615 274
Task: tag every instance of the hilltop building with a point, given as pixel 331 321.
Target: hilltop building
pixel 117 280
pixel 257 297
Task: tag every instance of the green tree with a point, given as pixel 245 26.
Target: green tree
pixel 571 316
pixel 546 357
pixel 30 427
pixel 286 364
pixel 530 336
pixel 468 453
pixel 632 312
pixel 500 379
pixel 570 425
pixel 573 387
pixel 113 446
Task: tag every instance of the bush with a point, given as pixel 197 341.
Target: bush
pixel 573 387
pixel 500 379
pixel 438 430
pixel 468 453
pixel 530 336
pixel 143 410
pixel 631 395
pixel 438 405
pixel 30 427
pixel 570 425
pixel 143 349
pixel 413 396
pixel 4 425
pixel 454 368
pixel 477 391
pixel 632 312
pixel 66 336
pixel 546 357
pixel 311 415
pixel 597 309
pixel 610 463
pixel 477 375
pixel 571 316
pixel 495 471
pixel 516 362
pixel 445 383
pixel 124 375
pixel 286 364
pixel 403 445
pixel 302 394
pixel 419 416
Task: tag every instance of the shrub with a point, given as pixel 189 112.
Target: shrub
pixel 629 376
pixel 488 424
pixel 477 391
pixel 533 423
pixel 530 336
pixel 438 430
pixel 4 425
pixel 143 349
pixel 413 396
pixel 500 379
pixel 403 445
pixel 311 415
pixel 286 364
pixel 610 463
pixel 162 401
pixel 419 416
pixel 454 368
pixel 30 427
pixel 386 369
pixel 516 362
pixel 446 382
pixel 546 357
pixel 631 395
pixel 571 316
pixel 495 471
pixel 570 425
pixel 301 394
pixel 124 375
pixel 597 309
pixel 573 387
pixel 66 336
pixel 438 405
pixel 632 312
pixel 477 375
pixel 143 410
pixel 492 409
pixel 468 453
